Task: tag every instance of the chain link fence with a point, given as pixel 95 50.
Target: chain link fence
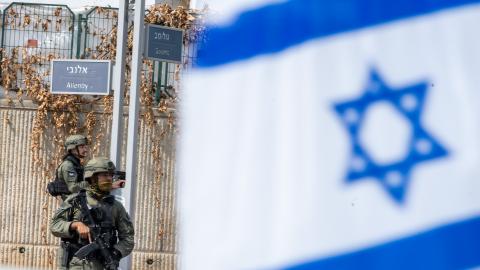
pixel 99 25
pixel 37 33
pixel 46 31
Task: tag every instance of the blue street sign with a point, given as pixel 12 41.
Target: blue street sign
pixel 80 77
pixel 164 43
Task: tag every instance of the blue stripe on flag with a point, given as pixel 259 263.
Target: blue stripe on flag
pixel 455 246
pixel 275 27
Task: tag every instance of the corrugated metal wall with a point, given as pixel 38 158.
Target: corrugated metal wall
pixel 25 209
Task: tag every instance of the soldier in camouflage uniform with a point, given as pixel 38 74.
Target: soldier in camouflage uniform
pixel 70 170
pixel 69 222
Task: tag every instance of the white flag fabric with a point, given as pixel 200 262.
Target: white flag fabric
pixel 327 134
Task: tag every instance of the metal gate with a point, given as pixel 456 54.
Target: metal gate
pixel 99 24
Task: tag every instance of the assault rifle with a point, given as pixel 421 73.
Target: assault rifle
pixel 119 175
pixel 57 187
pixel 99 242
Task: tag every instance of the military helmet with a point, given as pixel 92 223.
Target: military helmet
pixel 98 165
pixel 75 140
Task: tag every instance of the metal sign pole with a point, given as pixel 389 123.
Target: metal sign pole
pixel 134 105
pixel 119 84
pixel 119 90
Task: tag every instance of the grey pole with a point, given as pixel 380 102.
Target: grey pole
pixel 131 170
pixel 116 140
pixel 119 84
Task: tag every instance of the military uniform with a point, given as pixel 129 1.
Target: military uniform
pixel 113 222
pixel 71 172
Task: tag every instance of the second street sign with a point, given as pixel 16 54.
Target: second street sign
pixel 81 77
pixel 164 43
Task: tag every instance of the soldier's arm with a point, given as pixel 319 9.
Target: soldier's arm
pixel 125 231
pixel 60 223
pixel 69 174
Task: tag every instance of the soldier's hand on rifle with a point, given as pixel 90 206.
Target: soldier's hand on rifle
pixel 118 184
pixel 82 230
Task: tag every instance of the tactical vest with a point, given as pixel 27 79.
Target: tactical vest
pixel 59 187
pixel 104 225
pixel 76 165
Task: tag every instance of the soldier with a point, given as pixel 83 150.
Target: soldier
pixel 93 216
pixel 70 171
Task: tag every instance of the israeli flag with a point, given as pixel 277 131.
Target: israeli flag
pixel 333 134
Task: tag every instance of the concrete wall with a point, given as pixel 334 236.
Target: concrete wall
pixel 25 208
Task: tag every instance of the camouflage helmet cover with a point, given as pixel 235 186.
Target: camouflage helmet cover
pixel 98 165
pixel 75 140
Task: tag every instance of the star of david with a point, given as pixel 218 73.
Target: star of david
pixel 409 101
